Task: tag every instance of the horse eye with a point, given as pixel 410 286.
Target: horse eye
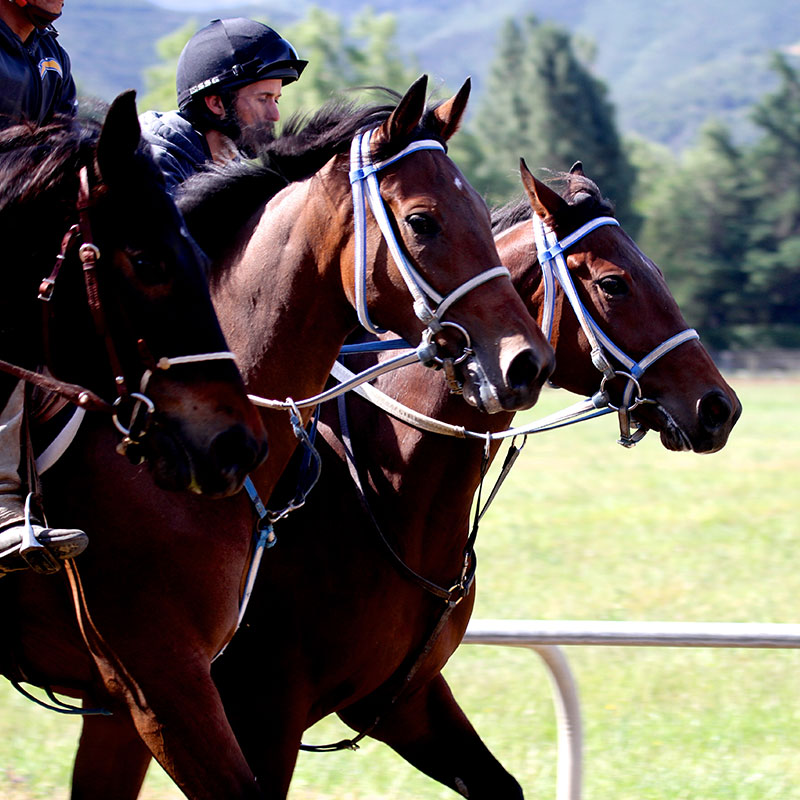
pixel 148 272
pixel 423 224
pixel 613 285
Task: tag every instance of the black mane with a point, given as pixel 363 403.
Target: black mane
pixel 223 198
pixel 584 197
pixel 40 164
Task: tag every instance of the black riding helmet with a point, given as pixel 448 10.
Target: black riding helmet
pixel 230 53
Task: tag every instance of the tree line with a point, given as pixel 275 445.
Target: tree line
pixel 721 219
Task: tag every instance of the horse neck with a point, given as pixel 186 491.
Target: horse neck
pixel 425 482
pixel 282 306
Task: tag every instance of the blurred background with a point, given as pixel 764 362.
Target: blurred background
pixel 686 114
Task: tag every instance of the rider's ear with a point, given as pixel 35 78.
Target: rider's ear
pixel 546 204
pixel 449 113
pixel 215 105
pixel 119 138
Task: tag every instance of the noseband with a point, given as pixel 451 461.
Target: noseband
pixel 550 253
pixel 365 187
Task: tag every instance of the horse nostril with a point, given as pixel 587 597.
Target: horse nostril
pixel 524 371
pixel 235 450
pixel 714 410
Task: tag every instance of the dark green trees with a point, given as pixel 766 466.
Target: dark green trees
pixel 543 104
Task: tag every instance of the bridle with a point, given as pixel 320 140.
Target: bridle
pixel 142 407
pixel 550 253
pixel 365 188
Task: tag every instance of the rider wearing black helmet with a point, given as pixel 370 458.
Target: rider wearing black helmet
pixel 36 85
pixel 229 79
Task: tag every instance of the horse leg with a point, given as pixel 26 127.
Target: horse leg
pixel 179 716
pixel 111 761
pixel 268 722
pixel 430 731
pixel 183 723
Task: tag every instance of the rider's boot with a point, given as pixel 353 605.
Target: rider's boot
pixel 29 545
pixel 24 542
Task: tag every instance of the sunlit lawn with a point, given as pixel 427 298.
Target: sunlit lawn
pixel 584 529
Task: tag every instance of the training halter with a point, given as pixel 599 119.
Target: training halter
pixel 550 252
pixel 365 187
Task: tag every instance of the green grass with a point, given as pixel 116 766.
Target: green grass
pixel 584 529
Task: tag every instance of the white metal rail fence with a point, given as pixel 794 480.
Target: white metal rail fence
pixel 544 637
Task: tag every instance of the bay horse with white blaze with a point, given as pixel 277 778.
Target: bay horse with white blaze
pixel 163 590
pixel 367 636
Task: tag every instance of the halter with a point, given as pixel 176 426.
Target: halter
pixel 365 187
pixel 550 253
pixel 554 268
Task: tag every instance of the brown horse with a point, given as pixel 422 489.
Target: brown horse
pixel 92 187
pixel 164 589
pixel 362 636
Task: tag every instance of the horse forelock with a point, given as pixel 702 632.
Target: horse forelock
pixel 582 194
pixel 39 166
pixel 507 216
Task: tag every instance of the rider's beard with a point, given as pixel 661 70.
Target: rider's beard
pixel 253 138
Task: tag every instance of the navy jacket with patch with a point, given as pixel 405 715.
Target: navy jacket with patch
pixel 35 77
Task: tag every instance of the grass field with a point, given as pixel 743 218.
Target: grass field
pixel 584 529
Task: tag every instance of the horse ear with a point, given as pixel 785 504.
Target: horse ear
pixel 544 201
pixel 408 113
pixel 449 113
pixel 119 138
pixel 577 169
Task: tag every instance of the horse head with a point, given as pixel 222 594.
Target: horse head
pixel 649 361
pixel 443 285
pixel 152 339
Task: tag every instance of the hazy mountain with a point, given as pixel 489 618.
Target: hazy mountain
pixel 669 64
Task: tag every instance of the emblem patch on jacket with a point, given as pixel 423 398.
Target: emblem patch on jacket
pixel 50 65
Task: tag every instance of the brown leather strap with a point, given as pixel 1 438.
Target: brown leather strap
pixel 89 255
pixel 84 398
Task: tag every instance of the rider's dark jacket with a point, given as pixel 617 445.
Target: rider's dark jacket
pixel 177 148
pixel 35 77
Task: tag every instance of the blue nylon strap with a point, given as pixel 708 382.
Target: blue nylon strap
pixel 550 253
pixel 374 347
pixel 361 173
pixel 254 498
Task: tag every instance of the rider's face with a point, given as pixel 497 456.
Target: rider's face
pixel 257 103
